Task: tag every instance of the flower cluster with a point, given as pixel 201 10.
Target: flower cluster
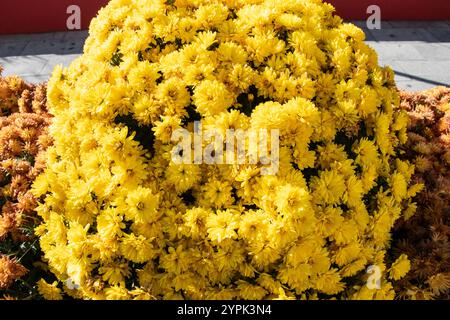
pixel 425 236
pixel 10 270
pixel 16 95
pixel 122 221
pixel 23 141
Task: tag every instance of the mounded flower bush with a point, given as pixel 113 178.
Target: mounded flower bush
pixel 123 221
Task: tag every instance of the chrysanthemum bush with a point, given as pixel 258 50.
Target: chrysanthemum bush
pixel 123 221
pixel 23 141
pixel 424 237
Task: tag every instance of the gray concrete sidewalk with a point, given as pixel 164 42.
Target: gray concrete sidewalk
pixel 418 51
pixel 33 56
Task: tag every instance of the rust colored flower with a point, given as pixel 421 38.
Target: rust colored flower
pixel 23 142
pixel 425 236
pixel 10 270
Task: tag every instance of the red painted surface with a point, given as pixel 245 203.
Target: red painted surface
pixel 26 16
pixel 395 9
pixel 33 16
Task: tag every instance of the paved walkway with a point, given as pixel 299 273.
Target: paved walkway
pixel 419 52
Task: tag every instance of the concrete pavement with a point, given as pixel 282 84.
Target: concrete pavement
pixel 33 56
pixel 418 51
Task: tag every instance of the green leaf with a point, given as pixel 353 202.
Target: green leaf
pixel 116 59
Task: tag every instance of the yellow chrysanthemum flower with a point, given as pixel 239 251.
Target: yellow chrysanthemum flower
pixel 400 267
pixel 49 291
